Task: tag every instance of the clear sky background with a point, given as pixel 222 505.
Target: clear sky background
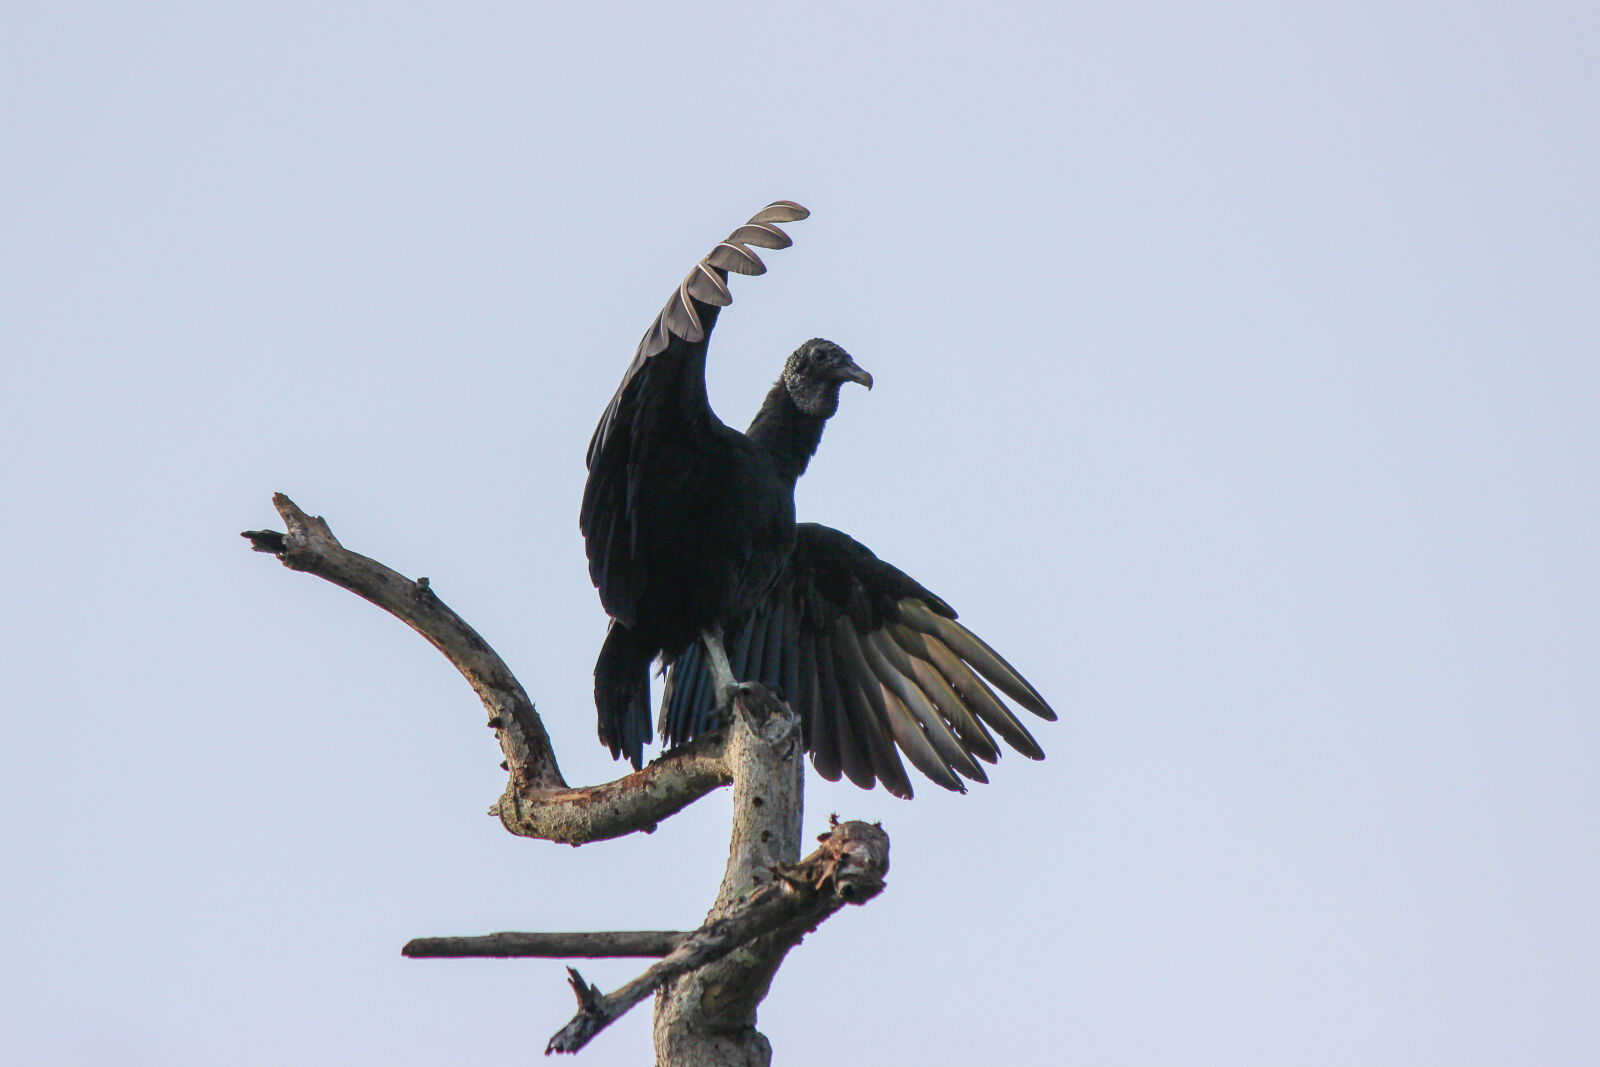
pixel 1238 374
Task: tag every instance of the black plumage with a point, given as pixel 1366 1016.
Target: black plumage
pixel 686 521
pixel 690 528
pixel 872 662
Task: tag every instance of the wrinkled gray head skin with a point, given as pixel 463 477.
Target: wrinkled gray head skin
pixel 814 374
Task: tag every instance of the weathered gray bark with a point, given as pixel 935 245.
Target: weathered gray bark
pixel 711 980
pixel 633 803
pixel 707 1016
pixel 537 801
pixel 610 944
pixel 308 545
pixel 712 1021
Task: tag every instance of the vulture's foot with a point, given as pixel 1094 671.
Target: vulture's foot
pixel 727 686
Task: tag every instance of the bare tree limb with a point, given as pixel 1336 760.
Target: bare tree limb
pixel 848 868
pixel 633 803
pixel 613 944
pixel 309 545
pixel 537 801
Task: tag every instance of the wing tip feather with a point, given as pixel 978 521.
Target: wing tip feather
pixel 780 211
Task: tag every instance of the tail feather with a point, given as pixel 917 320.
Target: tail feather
pixel 622 693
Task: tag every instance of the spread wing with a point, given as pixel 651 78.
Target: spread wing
pixel 873 663
pixel 663 397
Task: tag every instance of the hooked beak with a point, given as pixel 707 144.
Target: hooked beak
pixel 852 373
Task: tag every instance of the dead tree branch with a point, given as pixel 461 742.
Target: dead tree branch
pixel 633 803
pixel 537 801
pixel 561 946
pixel 309 545
pixel 848 868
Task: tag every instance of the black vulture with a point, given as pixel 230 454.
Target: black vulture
pixel 690 531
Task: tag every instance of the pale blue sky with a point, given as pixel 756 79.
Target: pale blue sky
pixel 1236 376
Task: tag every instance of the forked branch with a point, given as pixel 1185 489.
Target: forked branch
pixel 848 868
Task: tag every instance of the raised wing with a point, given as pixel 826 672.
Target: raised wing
pixel 873 663
pixel 664 387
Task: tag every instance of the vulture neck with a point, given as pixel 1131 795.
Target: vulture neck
pixel 789 435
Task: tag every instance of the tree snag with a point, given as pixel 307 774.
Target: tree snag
pixel 708 982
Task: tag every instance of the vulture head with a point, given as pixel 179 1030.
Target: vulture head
pixel 814 374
